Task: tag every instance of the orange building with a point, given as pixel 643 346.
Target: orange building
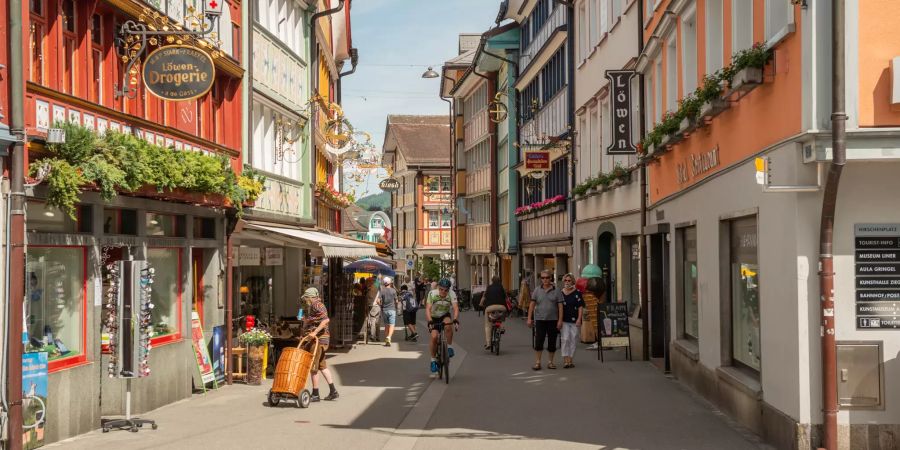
pixel 734 295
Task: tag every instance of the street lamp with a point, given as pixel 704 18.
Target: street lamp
pixel 430 73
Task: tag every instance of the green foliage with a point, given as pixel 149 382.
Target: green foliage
pixel 603 179
pixel 429 268
pixel 376 202
pixel 119 162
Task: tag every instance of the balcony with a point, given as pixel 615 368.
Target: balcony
pixel 478 238
pixel 556 20
pixel 551 120
pixel 476 128
pixel 546 227
pixel 478 181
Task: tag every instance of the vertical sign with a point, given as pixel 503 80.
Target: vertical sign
pixel 201 353
pixel 34 399
pixel 877 256
pixel 620 117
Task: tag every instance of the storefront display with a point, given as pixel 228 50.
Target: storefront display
pixel 745 293
pixel 55 310
pixel 167 292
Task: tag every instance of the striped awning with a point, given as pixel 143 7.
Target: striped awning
pixel 332 246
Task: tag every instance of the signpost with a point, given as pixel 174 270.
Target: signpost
pixel 612 324
pixel 179 72
pixel 877 284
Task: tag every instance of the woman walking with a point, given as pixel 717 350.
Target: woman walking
pixel 573 308
pixel 545 314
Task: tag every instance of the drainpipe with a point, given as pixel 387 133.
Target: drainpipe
pixel 826 237
pixel 17 226
pixel 354 60
pixel 645 313
pixel 314 118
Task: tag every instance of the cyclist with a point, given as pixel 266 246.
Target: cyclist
pixel 441 307
pixel 494 300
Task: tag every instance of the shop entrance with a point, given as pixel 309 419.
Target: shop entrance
pixel 606 258
pixel 659 300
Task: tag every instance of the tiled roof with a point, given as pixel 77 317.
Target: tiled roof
pixel 421 139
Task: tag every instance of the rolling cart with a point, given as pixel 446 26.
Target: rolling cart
pixel 292 372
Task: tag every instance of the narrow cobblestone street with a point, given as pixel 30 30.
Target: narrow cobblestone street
pixel 388 401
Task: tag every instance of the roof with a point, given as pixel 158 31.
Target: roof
pixel 420 139
pixel 468 41
pixel 351 225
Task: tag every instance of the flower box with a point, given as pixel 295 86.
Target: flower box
pixel 747 79
pixel 713 108
pixel 687 125
pixel 672 139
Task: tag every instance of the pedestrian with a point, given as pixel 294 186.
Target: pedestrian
pixel 493 300
pixel 410 306
pixel 573 308
pixel 315 322
pixel 545 314
pixel 374 311
pixel 387 299
pixel 524 294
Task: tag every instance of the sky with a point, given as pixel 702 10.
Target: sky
pixel 397 41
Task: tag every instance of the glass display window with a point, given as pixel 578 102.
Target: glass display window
pixel 55 310
pixel 166 294
pixel 744 274
pixel 690 284
pixel 168 225
pixel 48 219
pixel 120 221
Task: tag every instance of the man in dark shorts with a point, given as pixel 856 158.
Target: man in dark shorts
pixel 316 321
pixel 410 306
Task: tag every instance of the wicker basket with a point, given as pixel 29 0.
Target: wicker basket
pixel 294 365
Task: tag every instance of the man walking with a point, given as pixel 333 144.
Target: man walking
pixel 316 319
pixel 545 313
pixel 494 300
pixel 387 298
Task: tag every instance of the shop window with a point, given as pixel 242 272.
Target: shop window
pixel 120 221
pixel 44 218
pixel 166 294
pixel 55 309
pixel 689 284
pixel 632 268
pixel 744 275
pixel 204 228
pixel 167 225
pixel 445 184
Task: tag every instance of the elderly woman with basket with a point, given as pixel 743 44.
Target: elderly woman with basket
pixel 315 321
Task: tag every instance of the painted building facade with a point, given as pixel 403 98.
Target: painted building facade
pixel 732 262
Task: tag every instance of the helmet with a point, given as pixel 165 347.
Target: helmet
pixel 388 280
pixel 444 283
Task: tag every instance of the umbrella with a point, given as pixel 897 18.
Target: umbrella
pixel 370 266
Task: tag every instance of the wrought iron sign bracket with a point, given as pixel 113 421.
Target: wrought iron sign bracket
pixel 135 36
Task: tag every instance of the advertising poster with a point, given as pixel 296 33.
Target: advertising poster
pixel 613 323
pixel 204 362
pixel 34 399
pixel 217 350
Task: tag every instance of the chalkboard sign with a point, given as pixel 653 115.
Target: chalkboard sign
pixel 612 324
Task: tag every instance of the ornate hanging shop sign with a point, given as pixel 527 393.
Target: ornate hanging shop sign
pixel 389 184
pixel 537 160
pixel 620 90
pixel 179 72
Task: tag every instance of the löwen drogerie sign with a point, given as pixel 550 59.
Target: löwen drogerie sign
pixel 179 72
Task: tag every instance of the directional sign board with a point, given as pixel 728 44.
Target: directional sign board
pixel 877 256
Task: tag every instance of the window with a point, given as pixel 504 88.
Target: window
pixel 432 184
pixel 583 32
pixel 690 284
pixel 603 16
pixel 714 35
pixel 632 250
pixel 648 95
pixel 745 318
pixel 37 36
pixel 594 160
pixel 55 309
pixel 167 292
pixel 741 26
pixel 594 13
pixel 44 218
pixel 69 46
pixel 616 10
pixel 779 15
pixel 445 184
pixel 671 76
pixel 658 99
pixel 503 208
pixel 446 219
pixel 558 180
pixel 167 225
pixel 529 101
pixel 433 219
pixel 96 58
pixel 204 228
pixel 587 252
pixel 120 221
pixel 689 52
pixel 553 75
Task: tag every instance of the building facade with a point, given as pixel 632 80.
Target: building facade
pixel 417 151
pixel 74 73
pixel 734 292
pixel 607 192
pixel 544 211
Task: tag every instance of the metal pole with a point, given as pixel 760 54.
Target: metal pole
pixel 229 305
pixel 826 236
pixel 645 313
pixel 17 224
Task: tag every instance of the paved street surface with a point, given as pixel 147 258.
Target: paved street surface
pixel 389 401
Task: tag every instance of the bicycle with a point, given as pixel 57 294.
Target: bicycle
pixel 443 355
pixel 496 318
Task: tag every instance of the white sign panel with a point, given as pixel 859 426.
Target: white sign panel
pixel 274 256
pixel 249 256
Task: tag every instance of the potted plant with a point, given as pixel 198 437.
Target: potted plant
pixel 689 110
pixel 747 67
pixel 710 96
pixel 668 128
pixel 256 340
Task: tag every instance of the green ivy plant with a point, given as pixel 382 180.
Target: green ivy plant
pixel 119 162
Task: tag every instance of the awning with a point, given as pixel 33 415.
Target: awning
pixel 332 246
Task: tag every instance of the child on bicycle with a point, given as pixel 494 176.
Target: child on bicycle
pixel 441 308
pixel 494 300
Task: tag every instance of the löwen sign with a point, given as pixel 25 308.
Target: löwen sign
pixel 179 72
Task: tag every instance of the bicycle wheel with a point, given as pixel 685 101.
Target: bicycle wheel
pixel 445 360
pixel 495 341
